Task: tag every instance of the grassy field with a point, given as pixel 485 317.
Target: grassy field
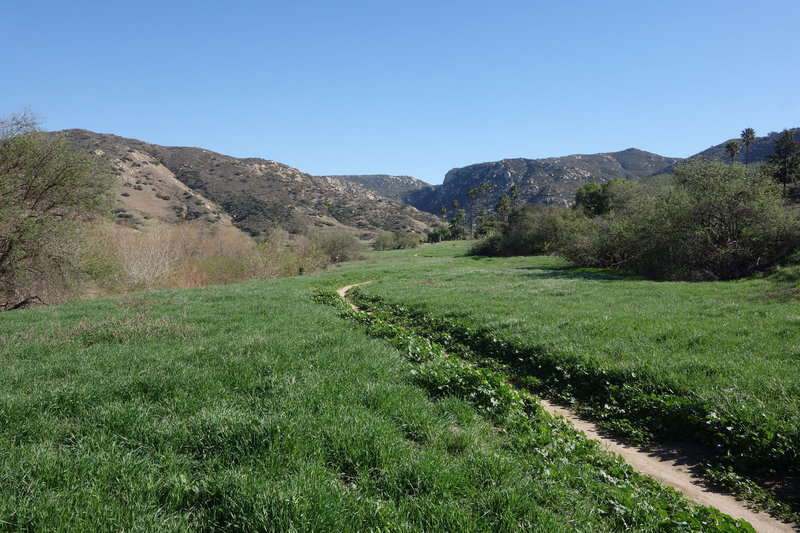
pixel 254 407
pixel 712 362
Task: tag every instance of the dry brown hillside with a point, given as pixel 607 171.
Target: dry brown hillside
pixel 255 195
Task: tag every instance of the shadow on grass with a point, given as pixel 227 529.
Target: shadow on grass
pixel 588 274
pixel 560 269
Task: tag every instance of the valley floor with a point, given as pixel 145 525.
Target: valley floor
pixel 255 407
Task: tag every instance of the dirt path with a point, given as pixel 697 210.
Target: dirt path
pixel 343 293
pixel 672 470
pixel 669 469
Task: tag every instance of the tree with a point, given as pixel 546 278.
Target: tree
pixel 503 207
pixel 338 246
pixel 475 192
pixel 530 230
pixel 443 211
pixel 515 193
pixel 786 159
pixel 732 148
pixel 456 230
pixel 596 199
pixel 748 136
pixel 46 188
pixel 398 240
pixel 485 188
pixel 482 218
pixel 472 192
pixel 439 234
pixel 590 197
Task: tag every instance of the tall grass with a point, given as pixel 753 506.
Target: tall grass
pixel 250 407
pixel 186 255
pixel 710 362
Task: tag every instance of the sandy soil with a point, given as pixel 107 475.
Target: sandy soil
pixel 671 468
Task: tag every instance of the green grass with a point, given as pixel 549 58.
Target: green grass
pixel 254 408
pixel 714 362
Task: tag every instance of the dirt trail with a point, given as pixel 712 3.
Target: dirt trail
pixel 343 293
pixel 672 470
pixel 669 469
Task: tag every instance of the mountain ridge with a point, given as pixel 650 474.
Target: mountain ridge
pixel 177 183
pixel 258 194
pixel 389 186
pixel 552 180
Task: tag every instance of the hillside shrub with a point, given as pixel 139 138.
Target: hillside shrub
pixel 530 230
pixel 397 240
pixel 337 246
pixel 439 234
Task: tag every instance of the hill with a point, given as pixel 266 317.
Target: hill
pixel 180 183
pixel 760 148
pixel 546 181
pixel 554 180
pixel 197 185
pixel 146 189
pixel 393 187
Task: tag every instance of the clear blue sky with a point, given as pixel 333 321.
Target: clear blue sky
pixel 406 87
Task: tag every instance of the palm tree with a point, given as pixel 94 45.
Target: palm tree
pixel 471 194
pixel 443 211
pixel 733 148
pixel 748 136
pixel 503 206
pixel 485 188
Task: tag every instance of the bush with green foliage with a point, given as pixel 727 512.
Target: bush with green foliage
pixel 439 234
pixel 397 240
pixel 599 199
pixel 530 230
pixel 716 221
pixel 46 188
pixel 338 246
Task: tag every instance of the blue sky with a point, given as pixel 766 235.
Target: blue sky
pixel 406 87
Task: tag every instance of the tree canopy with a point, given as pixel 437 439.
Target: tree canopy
pixel 712 221
pixel 786 159
pixel 46 186
pixel 748 135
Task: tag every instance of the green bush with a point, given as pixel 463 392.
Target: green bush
pixel 384 241
pixel 337 246
pixel 530 230
pixel 396 241
pixel 716 221
pixel 596 199
pixel 442 233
